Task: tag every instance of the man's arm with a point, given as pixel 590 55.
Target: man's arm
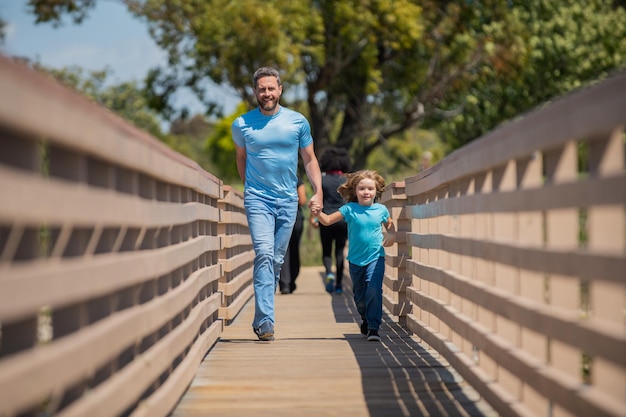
pixel 312 168
pixel 241 162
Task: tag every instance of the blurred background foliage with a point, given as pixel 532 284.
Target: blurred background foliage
pixel 394 82
pixel 400 83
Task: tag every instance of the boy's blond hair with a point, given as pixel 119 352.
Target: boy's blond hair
pixel 348 189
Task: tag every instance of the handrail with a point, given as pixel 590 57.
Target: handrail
pixel 516 269
pixel 121 260
pixel 113 253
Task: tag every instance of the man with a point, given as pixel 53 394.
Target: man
pixel 267 141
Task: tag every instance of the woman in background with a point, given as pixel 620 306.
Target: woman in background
pixel 334 163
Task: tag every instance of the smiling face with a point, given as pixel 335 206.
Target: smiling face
pixel 366 192
pixel 267 94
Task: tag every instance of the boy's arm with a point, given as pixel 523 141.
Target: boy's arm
pixel 390 235
pixel 328 219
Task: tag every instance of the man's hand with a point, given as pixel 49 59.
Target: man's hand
pixel 316 204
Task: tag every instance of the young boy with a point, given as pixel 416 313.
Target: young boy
pixel 366 255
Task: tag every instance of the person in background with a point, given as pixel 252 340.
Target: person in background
pixel 291 266
pixel 334 162
pixel 366 253
pixel 267 142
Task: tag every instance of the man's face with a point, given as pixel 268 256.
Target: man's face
pixel 268 93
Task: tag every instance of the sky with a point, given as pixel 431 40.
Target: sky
pixel 109 37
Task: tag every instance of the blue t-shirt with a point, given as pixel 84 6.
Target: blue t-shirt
pixel 365 231
pixel 272 144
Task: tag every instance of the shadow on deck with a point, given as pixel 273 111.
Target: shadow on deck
pixel 320 365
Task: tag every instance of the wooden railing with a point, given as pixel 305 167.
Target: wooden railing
pixel 512 258
pixel 120 260
pixel 237 255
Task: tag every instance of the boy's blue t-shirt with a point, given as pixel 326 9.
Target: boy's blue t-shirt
pixel 365 231
pixel 272 144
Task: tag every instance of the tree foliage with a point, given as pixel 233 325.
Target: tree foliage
pixel 562 45
pixel 126 99
pixel 377 67
pixel 407 153
pixel 365 71
pixel 53 11
pixel 221 149
pixel 188 136
pixel 3 25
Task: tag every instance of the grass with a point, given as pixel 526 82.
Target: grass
pixel 310 245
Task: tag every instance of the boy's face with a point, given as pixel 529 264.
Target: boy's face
pixel 366 192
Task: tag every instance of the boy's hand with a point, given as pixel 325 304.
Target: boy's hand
pixel 316 204
pixel 389 239
pixel 314 222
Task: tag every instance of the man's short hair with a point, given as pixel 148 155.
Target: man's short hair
pixel 265 72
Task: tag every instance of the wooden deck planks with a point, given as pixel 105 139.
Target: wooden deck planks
pixel 320 365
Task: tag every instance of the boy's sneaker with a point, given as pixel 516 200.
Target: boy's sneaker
pixel 265 332
pixel 330 282
pixel 373 336
pixel 338 291
pixel 364 328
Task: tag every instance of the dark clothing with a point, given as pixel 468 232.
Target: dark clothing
pixel 332 199
pixel 337 232
pixel 367 284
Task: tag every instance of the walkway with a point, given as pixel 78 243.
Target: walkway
pixel 320 365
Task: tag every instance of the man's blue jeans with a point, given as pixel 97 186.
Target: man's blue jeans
pixel 367 286
pixel 270 221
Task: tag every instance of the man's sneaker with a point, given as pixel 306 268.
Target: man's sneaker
pixel 338 291
pixel 364 328
pixel 330 282
pixel 373 336
pixel 265 332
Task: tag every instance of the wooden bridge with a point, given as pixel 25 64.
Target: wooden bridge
pixel 321 365
pixel 126 271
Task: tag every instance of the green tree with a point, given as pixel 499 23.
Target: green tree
pixel 3 25
pixel 564 44
pixel 127 99
pixel 376 67
pixel 53 11
pixel 188 136
pixel 407 153
pixel 365 71
pixel 221 149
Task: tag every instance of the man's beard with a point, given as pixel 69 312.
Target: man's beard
pixel 269 105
